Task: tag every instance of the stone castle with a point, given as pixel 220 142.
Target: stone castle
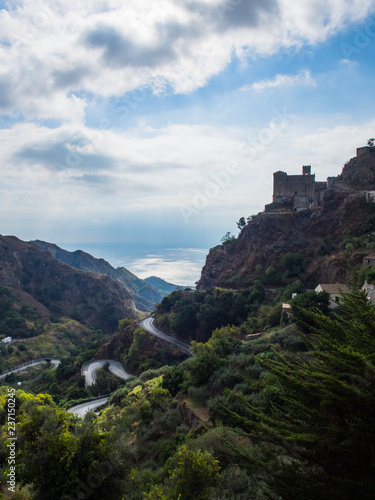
pixel 296 189
pixel 301 192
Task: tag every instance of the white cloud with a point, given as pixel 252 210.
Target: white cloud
pixel 302 78
pixel 52 51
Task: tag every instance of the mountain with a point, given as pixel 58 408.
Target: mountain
pixel 163 286
pixel 144 295
pixel 323 244
pixel 38 279
pixel 142 287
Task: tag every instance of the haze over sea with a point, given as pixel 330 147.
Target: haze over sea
pixel 181 266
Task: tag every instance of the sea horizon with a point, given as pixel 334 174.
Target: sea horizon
pixel 180 266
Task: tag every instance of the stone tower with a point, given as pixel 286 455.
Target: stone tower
pixel 287 186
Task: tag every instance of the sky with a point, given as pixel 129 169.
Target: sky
pixel 141 131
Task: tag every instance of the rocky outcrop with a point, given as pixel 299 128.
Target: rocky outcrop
pixel 359 172
pixel 318 236
pixel 90 298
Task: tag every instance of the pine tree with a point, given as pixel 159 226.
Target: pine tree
pixel 319 441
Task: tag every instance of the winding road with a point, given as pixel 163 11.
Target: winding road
pixel 20 368
pixel 148 325
pixel 91 405
pixel 90 368
pixel 89 371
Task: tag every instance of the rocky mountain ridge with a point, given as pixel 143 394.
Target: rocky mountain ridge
pixel 145 296
pixel 55 288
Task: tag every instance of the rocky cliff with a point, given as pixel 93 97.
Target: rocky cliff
pixel 321 245
pixel 40 279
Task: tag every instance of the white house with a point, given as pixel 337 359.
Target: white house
pixel 7 340
pixel 335 291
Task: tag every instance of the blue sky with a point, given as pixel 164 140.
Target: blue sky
pixel 143 131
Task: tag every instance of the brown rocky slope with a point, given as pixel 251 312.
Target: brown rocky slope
pixel 90 298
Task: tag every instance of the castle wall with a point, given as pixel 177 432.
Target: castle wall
pixel 291 185
pixel 301 202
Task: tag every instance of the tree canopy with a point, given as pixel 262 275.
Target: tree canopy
pixel 320 434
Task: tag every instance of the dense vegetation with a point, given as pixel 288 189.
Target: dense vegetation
pixel 21 321
pixel 195 315
pixel 288 415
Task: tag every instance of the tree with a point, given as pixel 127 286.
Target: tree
pixel 306 302
pixel 241 223
pixel 173 380
pixel 204 364
pixel 62 457
pixel 320 437
pixel 191 473
pixel 292 263
pixel 227 238
pixel 371 143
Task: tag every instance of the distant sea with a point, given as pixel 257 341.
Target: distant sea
pixel 181 266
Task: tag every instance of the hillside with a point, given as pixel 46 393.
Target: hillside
pixel 323 245
pixel 138 350
pixel 162 286
pixel 144 295
pixel 51 287
pixel 274 417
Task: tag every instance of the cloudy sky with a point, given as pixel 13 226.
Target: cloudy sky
pixel 143 130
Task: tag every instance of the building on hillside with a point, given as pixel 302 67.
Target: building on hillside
pixel 292 185
pixel 369 196
pixel 286 309
pixel 369 260
pixel 335 291
pixel 298 190
pixel 7 340
pixel 303 192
